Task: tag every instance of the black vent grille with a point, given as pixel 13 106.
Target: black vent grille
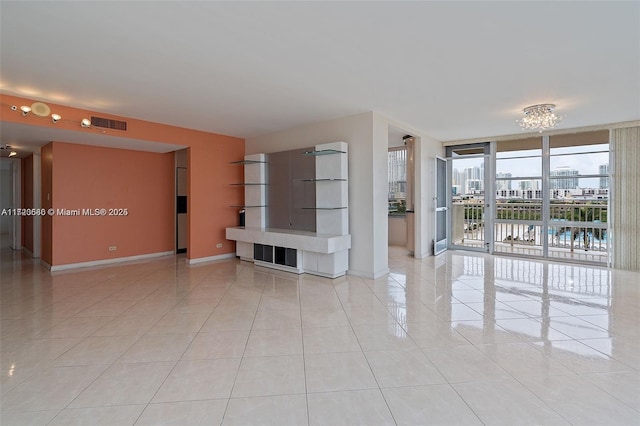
pixel 108 123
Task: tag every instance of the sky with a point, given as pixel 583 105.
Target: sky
pixel 578 159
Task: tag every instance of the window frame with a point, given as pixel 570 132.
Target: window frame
pixel 401 211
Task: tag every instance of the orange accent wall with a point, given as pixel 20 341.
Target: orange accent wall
pixel 27 202
pixel 210 174
pixel 88 177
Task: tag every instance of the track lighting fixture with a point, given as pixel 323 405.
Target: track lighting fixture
pixel 39 109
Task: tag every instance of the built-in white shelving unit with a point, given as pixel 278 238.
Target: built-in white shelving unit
pixel 324 252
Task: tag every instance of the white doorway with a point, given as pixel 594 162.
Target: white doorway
pixel 468 206
pixel 401 190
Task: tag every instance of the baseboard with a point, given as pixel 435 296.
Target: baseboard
pixel 283 268
pixel 211 258
pixel 381 273
pixel 28 252
pixel 56 268
pixel 424 255
pixel 45 264
pixel 369 275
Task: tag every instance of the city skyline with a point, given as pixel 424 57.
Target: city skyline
pixel 564 182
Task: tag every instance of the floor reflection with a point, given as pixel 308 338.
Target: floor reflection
pixel 502 299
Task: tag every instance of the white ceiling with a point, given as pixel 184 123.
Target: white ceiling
pixel 453 70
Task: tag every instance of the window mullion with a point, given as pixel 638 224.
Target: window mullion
pixel 546 193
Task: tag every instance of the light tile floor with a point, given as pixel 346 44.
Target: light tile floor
pixel 458 339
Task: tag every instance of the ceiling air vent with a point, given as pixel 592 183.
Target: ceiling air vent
pixel 108 123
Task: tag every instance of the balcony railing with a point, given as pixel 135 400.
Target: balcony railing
pixel 575 229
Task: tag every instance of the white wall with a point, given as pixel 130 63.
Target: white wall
pixel 380 145
pixel 426 152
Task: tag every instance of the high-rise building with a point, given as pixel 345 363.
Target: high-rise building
pixel 503 185
pixel 457 178
pixel 564 178
pixel 531 184
pixel 473 173
pixel 473 186
pixel 473 179
pixel 603 169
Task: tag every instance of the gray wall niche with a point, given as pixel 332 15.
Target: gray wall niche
pixel 291 195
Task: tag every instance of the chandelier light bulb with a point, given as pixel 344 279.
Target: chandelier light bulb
pixel 539 117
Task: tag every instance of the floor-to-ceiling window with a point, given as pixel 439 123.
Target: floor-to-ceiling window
pixel 551 197
pixel 519 197
pixel 579 196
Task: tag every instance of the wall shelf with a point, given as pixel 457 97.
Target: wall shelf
pixel 247 184
pixel 324 180
pixel 324 152
pixel 323 208
pixel 244 162
pixel 323 251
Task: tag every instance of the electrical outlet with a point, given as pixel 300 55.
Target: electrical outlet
pixel 113 248
pixel 219 245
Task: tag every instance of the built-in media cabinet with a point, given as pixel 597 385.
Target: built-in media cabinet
pixel 323 252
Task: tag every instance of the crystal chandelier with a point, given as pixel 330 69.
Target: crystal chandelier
pixel 539 117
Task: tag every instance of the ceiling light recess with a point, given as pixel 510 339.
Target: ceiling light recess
pixel 25 110
pixel 85 122
pixel 40 109
pixel 55 117
pixel 539 117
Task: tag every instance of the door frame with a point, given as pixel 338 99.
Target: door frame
pixel 440 192
pixel 179 214
pixel 489 166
